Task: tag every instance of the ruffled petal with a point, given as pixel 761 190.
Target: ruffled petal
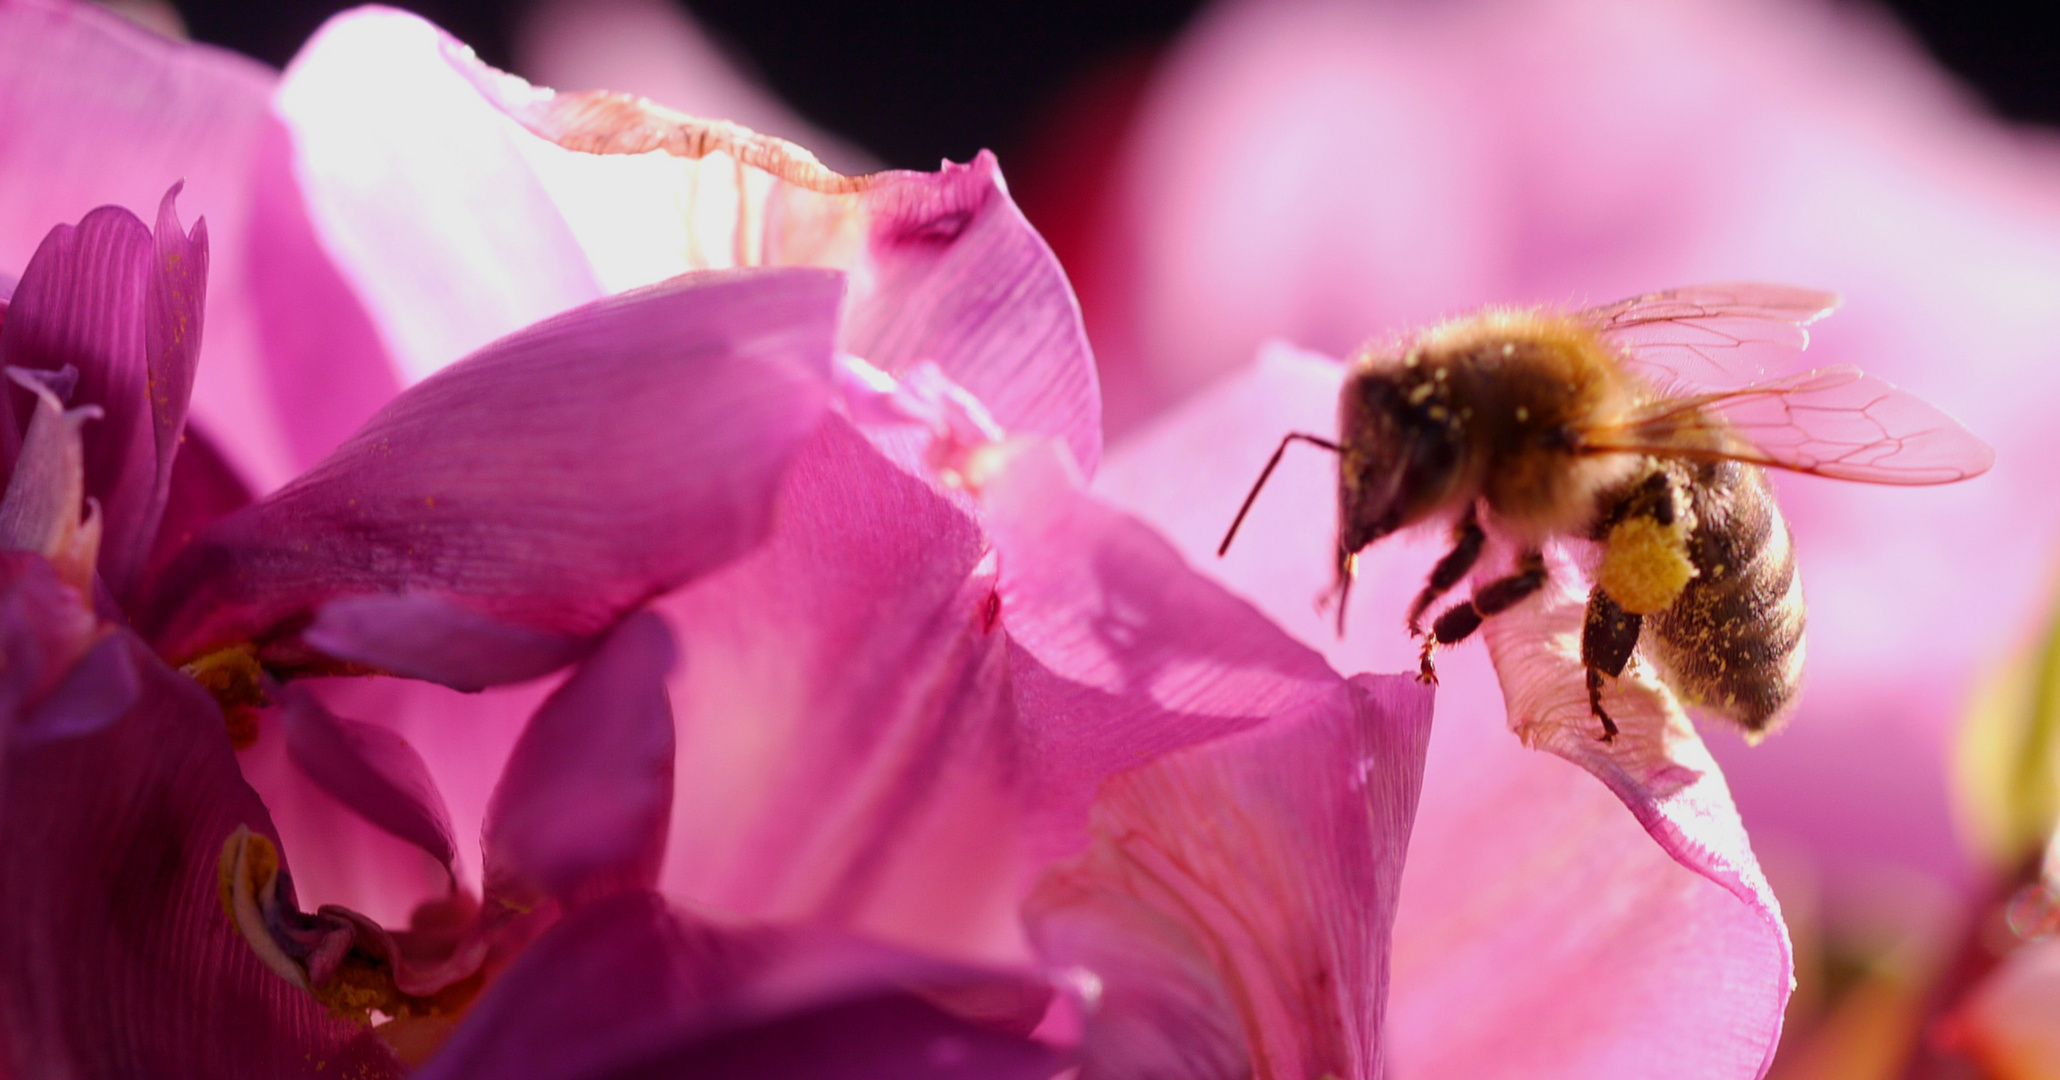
pixel 627 987
pixel 1233 915
pixel 122 307
pixel 117 958
pixel 944 266
pixel 583 803
pixel 97 111
pixel 1539 932
pixel 369 769
pixel 654 427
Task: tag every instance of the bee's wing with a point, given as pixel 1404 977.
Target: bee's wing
pixel 1838 422
pixel 1710 336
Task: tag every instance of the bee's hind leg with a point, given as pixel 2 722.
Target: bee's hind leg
pixel 1608 636
pixel 1458 622
pixel 1467 541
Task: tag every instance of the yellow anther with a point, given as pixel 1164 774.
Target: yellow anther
pixel 236 680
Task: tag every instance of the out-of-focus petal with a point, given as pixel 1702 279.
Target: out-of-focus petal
pixel 2007 1022
pixel 553 481
pixel 584 801
pixel 116 957
pixel 326 368
pixel 626 987
pixel 95 112
pixel 123 307
pixel 1234 912
pixel 369 769
pixel 944 267
pixel 417 187
pixel 1539 932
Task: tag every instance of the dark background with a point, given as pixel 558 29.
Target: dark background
pixel 917 80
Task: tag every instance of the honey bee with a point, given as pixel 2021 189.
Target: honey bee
pixel 1643 427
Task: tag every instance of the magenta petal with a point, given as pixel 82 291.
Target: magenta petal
pixel 583 802
pixel 204 487
pixel 1235 910
pixel 44 629
pixel 122 307
pixel 100 688
pixel 629 988
pixel 886 725
pixel 369 769
pixel 553 480
pixel 116 958
pixel 420 636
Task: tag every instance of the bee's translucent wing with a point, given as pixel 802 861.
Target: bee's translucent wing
pixel 1711 336
pixel 1837 421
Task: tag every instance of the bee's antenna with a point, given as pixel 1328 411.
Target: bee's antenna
pixel 1266 472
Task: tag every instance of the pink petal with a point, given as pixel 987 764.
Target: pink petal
pixel 654 425
pixel 369 769
pixel 419 191
pixel 886 726
pixel 944 266
pixel 325 366
pixel 96 111
pixel 117 959
pixel 124 309
pixel 1120 652
pixel 1539 933
pixel 627 987
pixel 1234 912
pixel 582 805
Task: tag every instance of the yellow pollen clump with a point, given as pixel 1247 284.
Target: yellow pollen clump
pixel 1645 565
pixel 236 680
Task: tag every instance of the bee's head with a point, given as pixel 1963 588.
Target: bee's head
pixel 1402 453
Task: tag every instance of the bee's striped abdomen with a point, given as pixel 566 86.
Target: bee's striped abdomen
pixel 1733 641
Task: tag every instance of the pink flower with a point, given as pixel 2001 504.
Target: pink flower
pixel 941 726
pixel 1328 172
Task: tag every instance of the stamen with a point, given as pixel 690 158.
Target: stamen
pixel 248 874
pixel 236 679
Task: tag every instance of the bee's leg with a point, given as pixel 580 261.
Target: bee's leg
pixel 1458 622
pixel 1467 542
pixel 1608 636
